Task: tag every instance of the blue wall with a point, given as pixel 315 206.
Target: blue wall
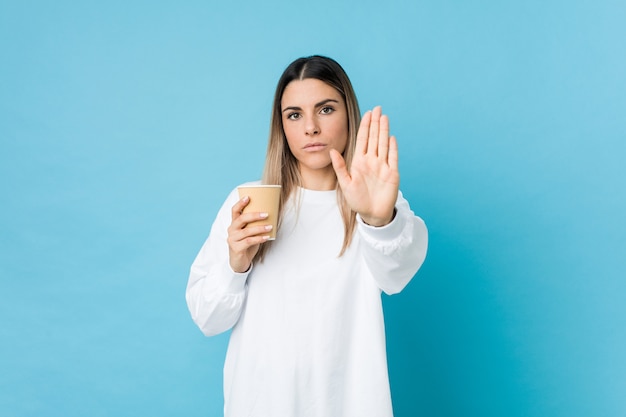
pixel 123 125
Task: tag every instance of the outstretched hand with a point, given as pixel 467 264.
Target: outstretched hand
pixel 371 185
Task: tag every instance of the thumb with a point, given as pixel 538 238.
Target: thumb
pixel 339 165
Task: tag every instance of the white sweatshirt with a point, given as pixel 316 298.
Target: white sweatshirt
pixel 308 336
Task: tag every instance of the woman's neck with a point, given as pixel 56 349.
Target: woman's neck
pixel 319 179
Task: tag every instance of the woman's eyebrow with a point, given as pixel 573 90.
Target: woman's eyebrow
pixel 328 100
pixel 321 103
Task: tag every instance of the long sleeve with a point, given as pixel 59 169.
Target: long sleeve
pixel 309 339
pixel 215 294
pixel 395 252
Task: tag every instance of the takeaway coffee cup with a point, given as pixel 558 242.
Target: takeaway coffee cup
pixel 264 199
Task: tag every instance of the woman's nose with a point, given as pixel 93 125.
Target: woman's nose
pixel 312 127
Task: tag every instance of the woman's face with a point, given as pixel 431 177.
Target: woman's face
pixel 315 120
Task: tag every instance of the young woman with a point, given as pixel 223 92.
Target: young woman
pixel 305 309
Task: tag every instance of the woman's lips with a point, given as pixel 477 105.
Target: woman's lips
pixel 314 147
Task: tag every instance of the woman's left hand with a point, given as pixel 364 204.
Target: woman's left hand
pixel 371 186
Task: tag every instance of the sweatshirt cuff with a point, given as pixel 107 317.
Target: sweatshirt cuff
pixel 235 282
pixel 390 237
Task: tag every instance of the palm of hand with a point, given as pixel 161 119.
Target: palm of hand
pixel 371 185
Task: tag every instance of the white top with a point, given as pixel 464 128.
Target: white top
pixel 308 336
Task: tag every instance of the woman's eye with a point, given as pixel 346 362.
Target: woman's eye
pixel 327 110
pixel 293 116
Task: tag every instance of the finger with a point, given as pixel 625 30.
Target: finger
pixel 383 137
pixel 362 134
pixel 249 234
pixel 239 206
pixel 249 242
pixel 339 165
pixel 372 143
pixel 244 219
pixel 255 240
pixel 393 153
pixel 241 240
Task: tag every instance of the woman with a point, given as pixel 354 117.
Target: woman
pixel 305 310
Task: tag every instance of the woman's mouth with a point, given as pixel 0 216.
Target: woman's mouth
pixel 314 147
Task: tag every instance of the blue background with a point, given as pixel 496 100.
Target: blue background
pixel 124 125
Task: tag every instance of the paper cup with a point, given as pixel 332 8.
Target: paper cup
pixel 263 199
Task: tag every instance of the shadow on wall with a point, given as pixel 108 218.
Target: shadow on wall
pixel 449 343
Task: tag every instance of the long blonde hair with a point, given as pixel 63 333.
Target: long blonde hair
pixel 281 167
